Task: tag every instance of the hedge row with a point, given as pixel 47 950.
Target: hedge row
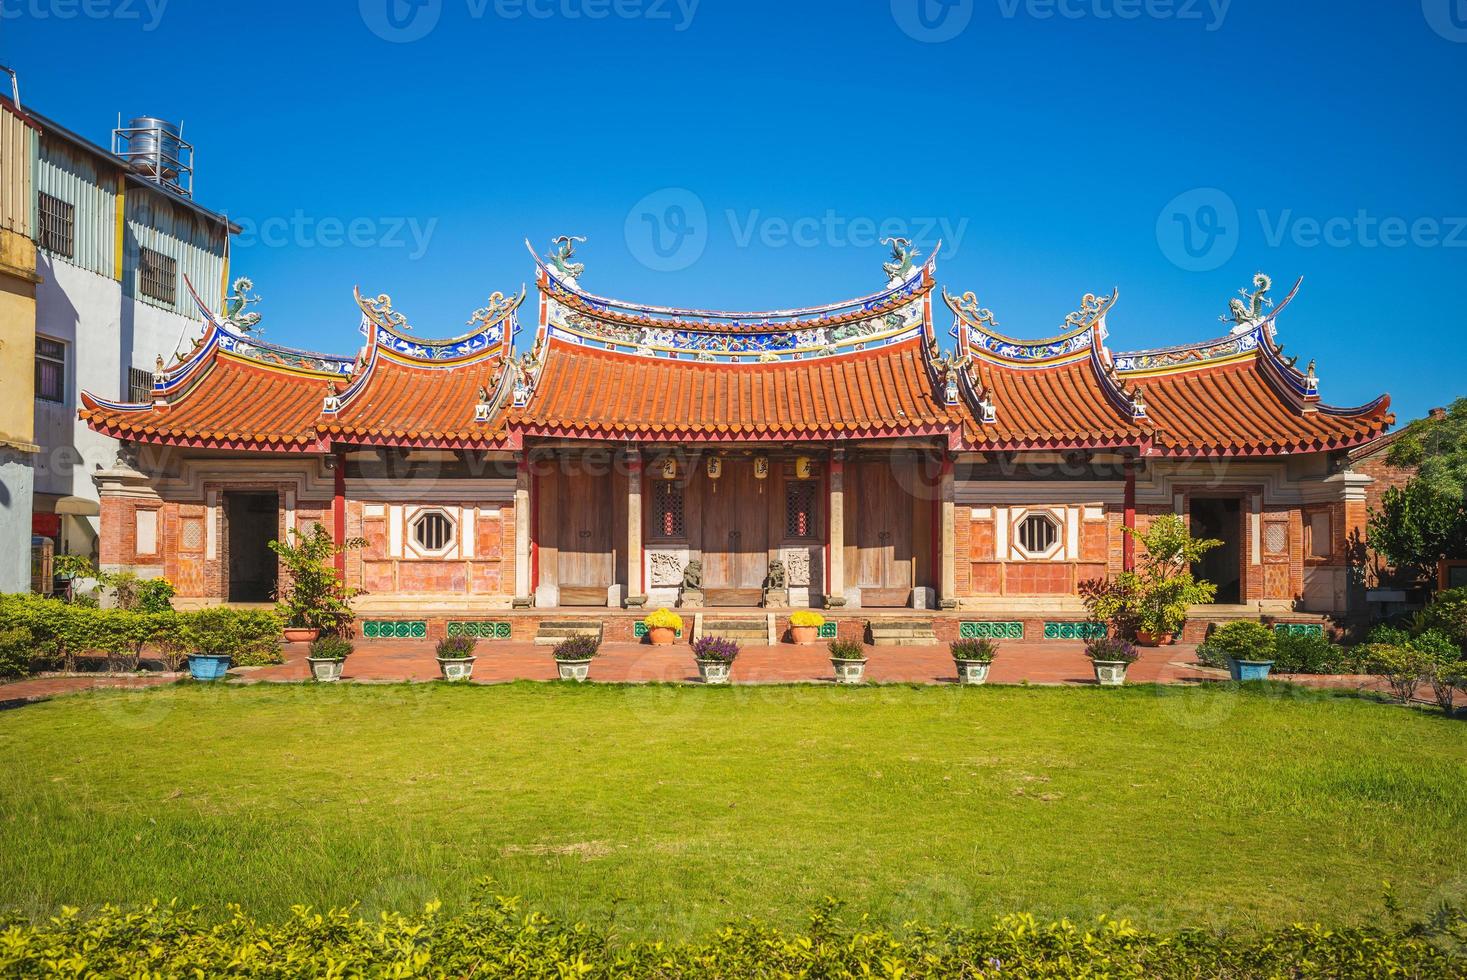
pixel 51 633
pixel 500 939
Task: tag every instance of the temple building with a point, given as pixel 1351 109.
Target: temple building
pixel 830 457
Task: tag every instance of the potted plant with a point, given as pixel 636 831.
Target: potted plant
pixel 1111 658
pixel 805 626
pixel 456 657
pixel 1246 647
pixel 215 636
pixel 973 659
pixel 848 657
pixel 1150 604
pixel 328 655
pixel 573 657
pixel 715 656
pixel 662 627
pixel 315 601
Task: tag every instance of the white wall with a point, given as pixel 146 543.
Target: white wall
pixel 105 333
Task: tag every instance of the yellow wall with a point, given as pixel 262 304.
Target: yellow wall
pixel 17 284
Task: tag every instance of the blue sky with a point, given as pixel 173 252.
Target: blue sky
pixel 1168 147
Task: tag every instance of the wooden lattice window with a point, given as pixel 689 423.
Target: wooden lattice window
pixel 667 509
pixel 157 275
pixel 56 226
pixel 799 509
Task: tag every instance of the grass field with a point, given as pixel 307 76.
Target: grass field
pixel 668 811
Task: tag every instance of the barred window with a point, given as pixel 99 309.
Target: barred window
pixel 667 509
pixel 157 275
pixel 1038 534
pixel 799 509
pixel 56 226
pixel 433 531
pixel 139 385
pixel 50 370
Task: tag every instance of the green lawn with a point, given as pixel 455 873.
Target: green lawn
pixel 667 811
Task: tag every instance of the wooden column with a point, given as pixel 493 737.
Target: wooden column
pixel 1128 545
pixel 636 589
pixel 524 596
pixel 835 537
pixel 947 586
pixel 338 515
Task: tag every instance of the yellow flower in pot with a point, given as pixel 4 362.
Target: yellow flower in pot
pixel 805 626
pixel 662 627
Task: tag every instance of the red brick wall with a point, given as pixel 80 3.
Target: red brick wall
pixel 1384 476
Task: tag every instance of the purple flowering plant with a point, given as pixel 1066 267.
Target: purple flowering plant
pixel 1111 650
pixel 716 649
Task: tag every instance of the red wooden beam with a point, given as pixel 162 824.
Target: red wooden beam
pixel 338 514
pixel 1128 546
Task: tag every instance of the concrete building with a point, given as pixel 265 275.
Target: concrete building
pixel 118 239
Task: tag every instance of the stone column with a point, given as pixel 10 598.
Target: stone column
pixel 835 561
pixel 523 595
pixel 636 587
pixel 947 591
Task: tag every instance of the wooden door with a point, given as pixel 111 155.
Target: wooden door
pixel 585 562
pixel 883 534
pixel 735 536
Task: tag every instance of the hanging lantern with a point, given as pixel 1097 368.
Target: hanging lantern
pixel 761 467
pixel 669 468
pixel 802 467
pixel 715 467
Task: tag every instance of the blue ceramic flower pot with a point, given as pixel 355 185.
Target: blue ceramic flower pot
pixel 1249 670
pixel 207 666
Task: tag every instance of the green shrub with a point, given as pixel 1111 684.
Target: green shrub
pixel 251 638
pixel 1447 614
pixel 847 650
pixel 981 651
pixel 15 651
pixel 1402 665
pixel 500 938
pixel 1242 640
pixel 155 595
pixel 1308 653
pixel 314 596
pixel 121 635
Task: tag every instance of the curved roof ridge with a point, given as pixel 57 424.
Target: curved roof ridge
pixel 498 323
pixel 925 271
pixel 974 325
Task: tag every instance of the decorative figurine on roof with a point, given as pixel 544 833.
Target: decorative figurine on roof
pixel 1091 306
pixel 332 402
pixel 235 316
pixel 903 260
pixel 1245 312
pixel 561 250
pixel 980 315
pixel 948 370
pixel 494 312
pixel 381 308
pixel 1138 403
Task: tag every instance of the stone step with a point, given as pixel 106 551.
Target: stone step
pixel 751 630
pixel 901 632
pixel 552 632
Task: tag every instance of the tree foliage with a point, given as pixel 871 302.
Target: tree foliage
pixel 1437 448
pixel 1417 526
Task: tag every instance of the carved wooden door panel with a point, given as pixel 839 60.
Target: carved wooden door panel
pixel 585 560
pixel 735 537
pixel 883 519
